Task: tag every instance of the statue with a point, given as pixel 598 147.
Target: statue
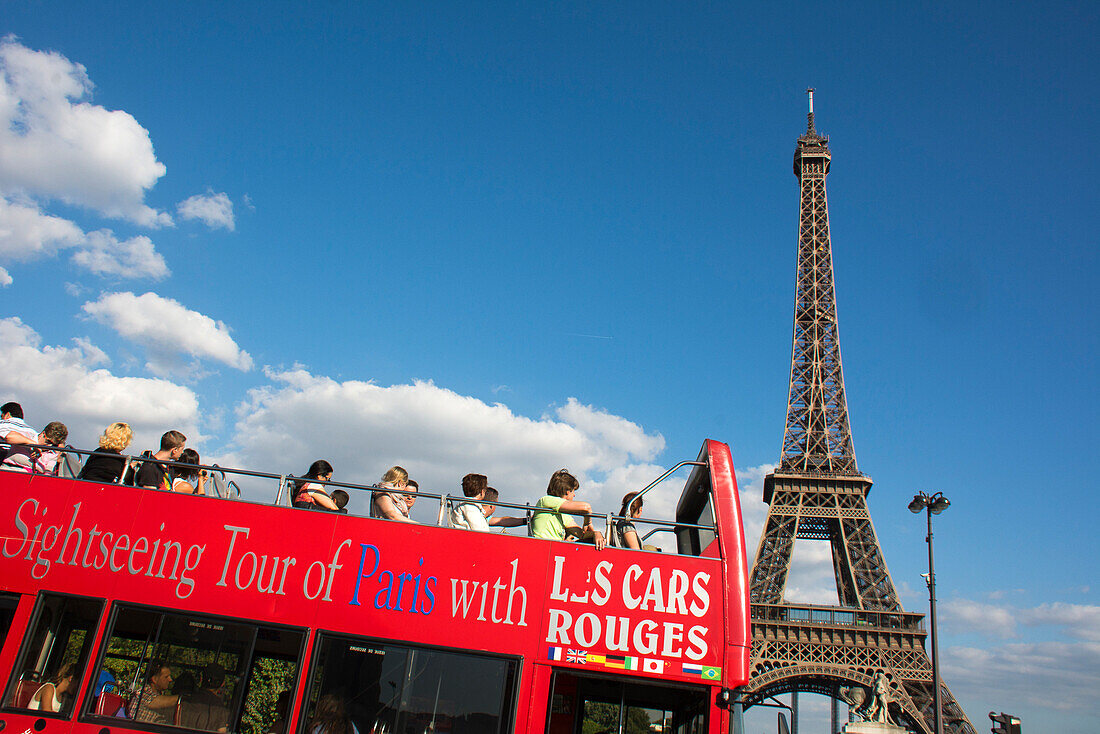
pixel 878 709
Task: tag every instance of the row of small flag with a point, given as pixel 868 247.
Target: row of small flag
pixel 628 662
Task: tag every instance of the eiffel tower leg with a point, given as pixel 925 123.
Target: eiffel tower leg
pixel 773 556
pixel 954 719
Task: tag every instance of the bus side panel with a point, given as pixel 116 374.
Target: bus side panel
pixel 537 693
pixel 15 638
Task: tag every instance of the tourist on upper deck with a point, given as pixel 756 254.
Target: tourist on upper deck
pixel 552 522
pixel 311 495
pixel 331 717
pixel 41 461
pixel 13 429
pixel 626 536
pixel 392 505
pixel 155 475
pixel 468 515
pixel 153 704
pixel 48 697
pixel 490 496
pixel 205 709
pixel 411 488
pixel 474 515
pixel 106 463
pixel 183 477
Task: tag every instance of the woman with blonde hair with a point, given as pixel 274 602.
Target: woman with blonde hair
pixel 48 697
pixel 391 505
pixel 106 463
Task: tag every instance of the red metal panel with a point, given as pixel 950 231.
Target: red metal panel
pixel 727 509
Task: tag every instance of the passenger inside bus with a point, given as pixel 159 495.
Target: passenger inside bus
pixel 551 523
pixel 153 704
pixel 205 709
pixel 331 717
pixel 48 697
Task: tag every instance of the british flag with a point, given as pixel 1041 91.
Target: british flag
pixel 576 656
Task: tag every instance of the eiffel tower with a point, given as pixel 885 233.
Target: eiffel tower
pixel 818 493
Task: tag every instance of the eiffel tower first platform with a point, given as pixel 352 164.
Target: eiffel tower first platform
pixel 818 493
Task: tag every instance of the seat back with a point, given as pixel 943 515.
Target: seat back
pixel 69 466
pixel 110 704
pixel 24 692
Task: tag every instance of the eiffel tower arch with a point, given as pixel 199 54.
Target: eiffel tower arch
pixel 818 493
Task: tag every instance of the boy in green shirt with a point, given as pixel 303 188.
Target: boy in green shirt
pixel 552 524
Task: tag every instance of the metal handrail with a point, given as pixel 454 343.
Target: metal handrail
pixel 445 500
pixel 665 476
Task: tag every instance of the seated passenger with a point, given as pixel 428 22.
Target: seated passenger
pixel 410 499
pixel 183 477
pixel 468 515
pixel 13 429
pixel 490 496
pixel 331 717
pixel 552 522
pixel 311 495
pixel 106 463
pixel 205 709
pixel 40 461
pixel 153 705
pixel 626 536
pixel 48 697
pixel 153 474
pixel 340 499
pixel 392 505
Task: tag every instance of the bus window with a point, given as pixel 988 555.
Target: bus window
pixel 8 603
pixel 54 654
pixel 200 673
pixel 384 688
pixel 586 705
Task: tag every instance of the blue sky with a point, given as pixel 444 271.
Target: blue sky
pixel 507 238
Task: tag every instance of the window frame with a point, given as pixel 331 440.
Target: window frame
pixel 24 648
pixel 87 713
pixel 315 656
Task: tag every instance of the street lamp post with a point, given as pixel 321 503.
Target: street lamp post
pixel 932 505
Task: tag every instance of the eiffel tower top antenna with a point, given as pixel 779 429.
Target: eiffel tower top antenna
pixel 810 117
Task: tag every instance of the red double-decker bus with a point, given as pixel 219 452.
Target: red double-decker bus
pixel 153 611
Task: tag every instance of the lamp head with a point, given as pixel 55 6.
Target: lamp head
pixel 918 504
pixel 939 504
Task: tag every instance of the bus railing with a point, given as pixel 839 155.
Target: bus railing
pixel 226 488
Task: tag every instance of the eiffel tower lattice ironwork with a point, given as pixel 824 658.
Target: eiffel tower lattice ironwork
pixel 817 492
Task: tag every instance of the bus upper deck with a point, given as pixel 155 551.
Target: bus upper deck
pixel 407 627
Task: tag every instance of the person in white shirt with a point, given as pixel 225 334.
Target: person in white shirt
pixel 477 515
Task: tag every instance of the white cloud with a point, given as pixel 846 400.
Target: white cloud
pixel 5 278
pixel 26 233
pixel 104 254
pixel 167 329
pixel 1081 621
pixel 1036 681
pixel 439 436
pixel 961 616
pixel 61 383
pixel 964 616
pixel 55 144
pixel 213 210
